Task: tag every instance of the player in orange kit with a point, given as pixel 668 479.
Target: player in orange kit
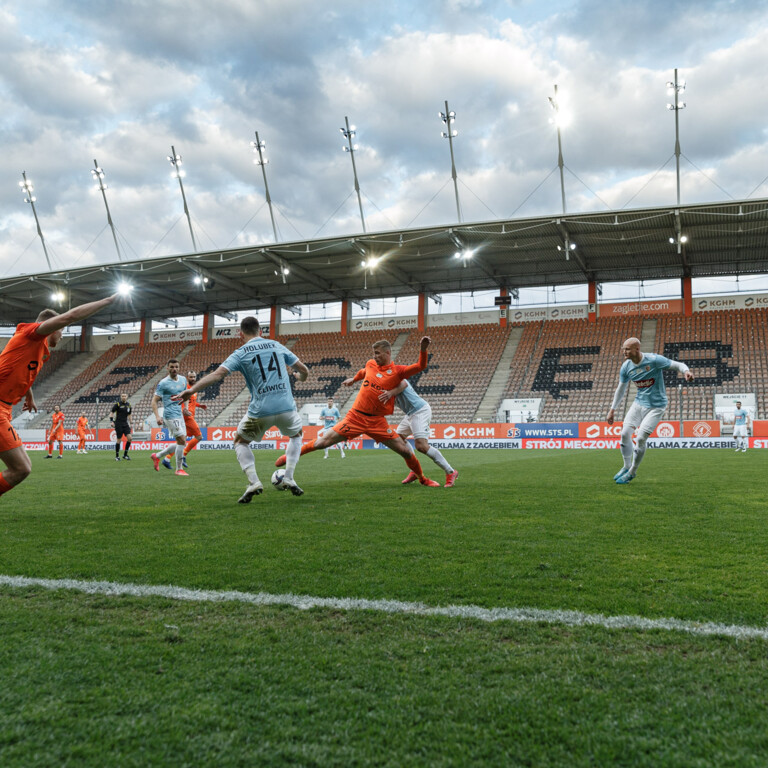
pixel 20 362
pixel 57 432
pixel 189 418
pixel 368 414
pixel 82 425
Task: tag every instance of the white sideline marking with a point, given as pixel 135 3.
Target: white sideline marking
pixel 304 602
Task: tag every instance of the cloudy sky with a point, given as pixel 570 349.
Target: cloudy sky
pixel 121 82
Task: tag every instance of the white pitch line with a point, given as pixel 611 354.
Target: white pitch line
pixel 305 602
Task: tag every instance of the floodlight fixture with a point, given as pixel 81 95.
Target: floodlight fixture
pixel 675 89
pixel 27 189
pixel 448 117
pixel 258 148
pixel 98 176
pixel 349 133
pixel 125 289
pixel 555 104
pixel 175 160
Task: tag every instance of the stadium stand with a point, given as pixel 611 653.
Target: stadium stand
pixel 571 364
pixel 462 360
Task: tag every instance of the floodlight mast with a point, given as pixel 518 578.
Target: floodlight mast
pixel 175 161
pixel 450 133
pixel 560 164
pixel 98 177
pixel 676 88
pixel 349 133
pixel 27 188
pixel 258 146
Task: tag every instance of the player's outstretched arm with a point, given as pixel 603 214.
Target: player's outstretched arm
pixel 300 370
pixel 201 384
pixel 74 315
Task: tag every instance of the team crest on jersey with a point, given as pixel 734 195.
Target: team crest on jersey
pixel 389 371
pixel 647 367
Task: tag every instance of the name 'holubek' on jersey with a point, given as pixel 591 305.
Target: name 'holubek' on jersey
pixel 264 366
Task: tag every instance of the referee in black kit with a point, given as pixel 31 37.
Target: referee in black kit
pixel 120 416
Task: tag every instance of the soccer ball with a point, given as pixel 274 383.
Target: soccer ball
pixel 277 479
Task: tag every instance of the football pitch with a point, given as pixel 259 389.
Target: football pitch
pixel 590 624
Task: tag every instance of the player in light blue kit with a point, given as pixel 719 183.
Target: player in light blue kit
pixel 418 416
pixel 172 418
pixel 741 427
pixel 330 415
pixel 647 371
pixel 266 366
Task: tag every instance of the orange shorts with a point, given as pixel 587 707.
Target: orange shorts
pixel 193 430
pixel 356 423
pixel 57 435
pixel 9 437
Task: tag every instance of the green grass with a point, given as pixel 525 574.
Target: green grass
pixel 90 680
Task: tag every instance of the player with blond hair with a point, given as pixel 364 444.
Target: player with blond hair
pixel 368 414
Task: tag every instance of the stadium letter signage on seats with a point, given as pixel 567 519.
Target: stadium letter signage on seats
pixel 716 364
pixel 128 373
pixel 550 366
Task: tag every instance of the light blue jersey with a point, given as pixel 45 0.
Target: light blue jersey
pixel 740 417
pixel 330 416
pixel 264 364
pixel 166 389
pixel 408 401
pixel 649 379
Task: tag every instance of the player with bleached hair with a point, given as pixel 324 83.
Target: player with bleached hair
pixel 647 371
pixel 741 427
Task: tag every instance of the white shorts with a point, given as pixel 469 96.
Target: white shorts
pixel 417 424
pixel 253 429
pixel 643 419
pixel 176 427
pixel 740 430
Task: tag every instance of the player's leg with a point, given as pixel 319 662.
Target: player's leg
pixel 399 446
pixel 17 468
pixel 650 421
pixel 248 430
pixel 631 422
pixel 12 453
pixel 329 437
pixel 61 447
pixel 118 440
pixel 289 423
pixel 51 441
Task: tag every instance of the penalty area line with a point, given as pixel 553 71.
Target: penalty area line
pixel 306 602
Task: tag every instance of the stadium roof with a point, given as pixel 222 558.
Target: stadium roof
pixel 706 240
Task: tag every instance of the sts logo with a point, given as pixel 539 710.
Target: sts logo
pixel 513 432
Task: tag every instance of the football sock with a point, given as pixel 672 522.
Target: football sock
pixel 247 464
pixel 639 453
pixel 626 449
pixel 117 448
pixel 413 465
pixel 439 459
pixel 127 446
pixel 191 444
pixel 5 486
pixel 166 451
pixel 61 449
pixel 338 445
pixel 50 448
pixel 179 455
pixel 292 453
pixel 306 448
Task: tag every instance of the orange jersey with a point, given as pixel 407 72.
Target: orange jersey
pixel 377 378
pixel 82 424
pixel 57 421
pixel 21 361
pixel 192 403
